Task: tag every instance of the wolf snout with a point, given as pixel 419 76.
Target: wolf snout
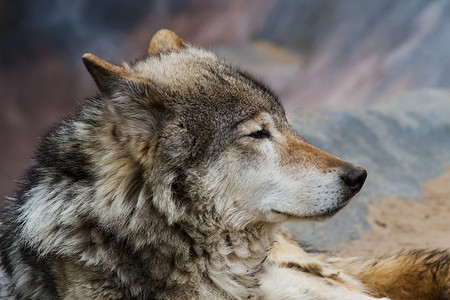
pixel 354 178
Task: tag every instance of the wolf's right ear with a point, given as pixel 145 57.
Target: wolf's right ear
pixel 105 74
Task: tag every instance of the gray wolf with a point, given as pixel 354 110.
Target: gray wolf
pixel 173 183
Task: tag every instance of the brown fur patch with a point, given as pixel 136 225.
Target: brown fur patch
pixel 165 40
pixel 103 72
pixel 296 151
pixel 417 274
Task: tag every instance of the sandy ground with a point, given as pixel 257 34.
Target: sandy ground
pixel 407 223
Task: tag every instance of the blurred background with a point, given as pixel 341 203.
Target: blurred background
pixel 365 80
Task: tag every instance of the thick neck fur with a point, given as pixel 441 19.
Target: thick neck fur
pixel 112 222
pixel 232 257
pixel 206 248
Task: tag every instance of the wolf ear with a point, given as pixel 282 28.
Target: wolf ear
pixel 105 74
pixel 164 41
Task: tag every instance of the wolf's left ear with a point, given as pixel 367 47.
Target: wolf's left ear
pixel 165 41
pixel 105 74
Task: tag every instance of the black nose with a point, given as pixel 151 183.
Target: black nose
pixel 354 178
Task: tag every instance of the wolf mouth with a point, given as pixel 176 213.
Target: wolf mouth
pixel 320 216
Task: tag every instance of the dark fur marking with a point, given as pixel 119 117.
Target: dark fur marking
pixel 438 263
pixel 115 132
pixel 228 241
pixel 180 190
pixel 39 275
pixel 313 269
pixel 135 187
pixel 68 160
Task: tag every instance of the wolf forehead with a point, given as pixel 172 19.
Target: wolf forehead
pixel 186 79
pixel 193 78
pixel 194 75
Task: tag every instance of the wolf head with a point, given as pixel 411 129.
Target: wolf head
pixel 211 139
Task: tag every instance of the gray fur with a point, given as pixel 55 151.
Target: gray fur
pixel 110 202
pixel 172 184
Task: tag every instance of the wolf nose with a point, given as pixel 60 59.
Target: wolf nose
pixel 354 178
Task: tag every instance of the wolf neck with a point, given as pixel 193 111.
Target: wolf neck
pixel 233 258
pixel 229 258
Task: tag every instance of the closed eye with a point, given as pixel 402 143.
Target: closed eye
pixel 260 134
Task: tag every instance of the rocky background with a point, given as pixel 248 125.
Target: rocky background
pixel 365 80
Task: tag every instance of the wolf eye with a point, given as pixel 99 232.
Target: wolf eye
pixel 260 134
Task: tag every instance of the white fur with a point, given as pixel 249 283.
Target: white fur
pixel 287 284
